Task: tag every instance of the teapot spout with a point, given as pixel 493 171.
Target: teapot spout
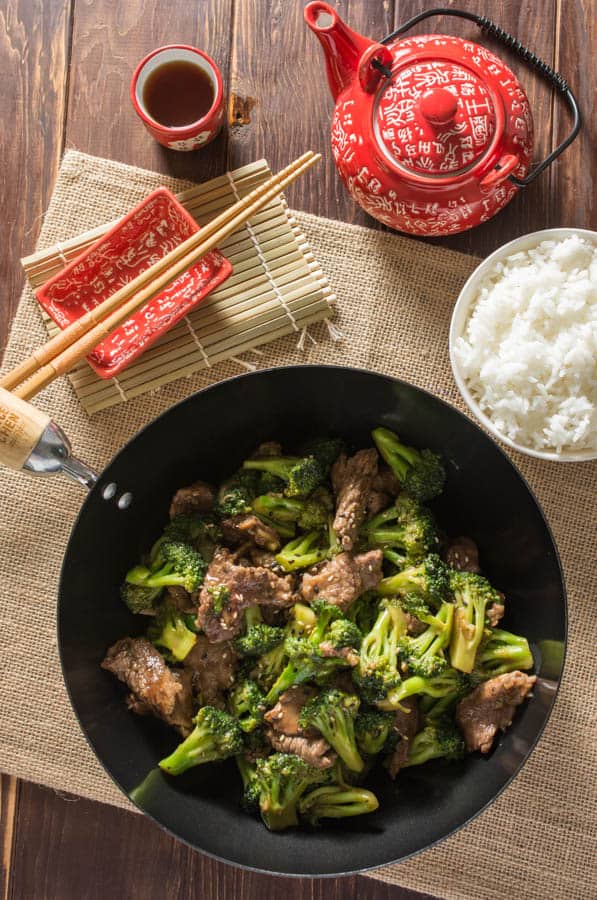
pixel 343 47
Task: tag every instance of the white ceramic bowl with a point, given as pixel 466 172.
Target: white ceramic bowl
pixel 460 316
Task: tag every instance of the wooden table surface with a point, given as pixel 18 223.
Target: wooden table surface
pixel 65 67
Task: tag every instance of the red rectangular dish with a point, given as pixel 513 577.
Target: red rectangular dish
pixel 151 230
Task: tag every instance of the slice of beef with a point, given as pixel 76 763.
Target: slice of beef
pixel 315 751
pixel 238 529
pixel 181 600
pixel 414 626
pixel 491 707
pixel 377 501
pixel 495 612
pixel 284 716
pixel 344 578
pixel 342 681
pixel 326 648
pixel 406 724
pixel 198 497
pixel 352 479
pixel 462 554
pixel 386 482
pixel 154 687
pixel 285 734
pixel 213 667
pixel 260 557
pixel 246 586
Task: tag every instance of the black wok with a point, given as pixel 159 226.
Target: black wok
pixel 206 436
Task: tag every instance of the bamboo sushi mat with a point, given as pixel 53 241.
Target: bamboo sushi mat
pixel 395 296
pixel 276 288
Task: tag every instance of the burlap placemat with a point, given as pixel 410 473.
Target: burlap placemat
pixel 395 298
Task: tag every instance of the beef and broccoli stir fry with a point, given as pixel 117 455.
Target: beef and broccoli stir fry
pixel 309 620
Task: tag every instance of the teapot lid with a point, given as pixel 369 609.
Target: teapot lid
pixel 435 117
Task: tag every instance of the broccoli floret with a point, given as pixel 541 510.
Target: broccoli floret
pixel 269 667
pixel 279 784
pixel 310 514
pixel 416 605
pixel 302 619
pixel 374 730
pixel 472 595
pixel 342 634
pixel 259 639
pixel 332 627
pixel 424 654
pixel 447 682
pixel 336 801
pixel 406 528
pixel 333 712
pixel 270 484
pixel 220 594
pixel 325 613
pixel 277 509
pixel 247 769
pixel 363 612
pixel 169 632
pixel 502 652
pixel 303 552
pixel 234 502
pixel 429 578
pixel 377 672
pixel 216 735
pixel 189 529
pixel 435 740
pixel 140 599
pixel 316 510
pixel 305 663
pixel 421 473
pixel 325 450
pixel 236 495
pixel 247 704
pixel 323 622
pixel 300 474
pixel 174 563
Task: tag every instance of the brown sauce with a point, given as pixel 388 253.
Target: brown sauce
pixel 178 93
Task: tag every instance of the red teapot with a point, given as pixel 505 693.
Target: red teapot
pixel 431 134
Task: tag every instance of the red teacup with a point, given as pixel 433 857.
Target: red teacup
pixel 178 94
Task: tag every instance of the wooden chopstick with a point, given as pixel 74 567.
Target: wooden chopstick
pixel 61 355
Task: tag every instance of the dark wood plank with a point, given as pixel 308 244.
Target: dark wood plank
pixel 8 804
pixel 279 105
pixel 278 63
pixel 108 41
pixel 34 42
pixel 71 849
pixel 574 175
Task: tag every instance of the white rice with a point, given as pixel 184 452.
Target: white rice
pixel 529 350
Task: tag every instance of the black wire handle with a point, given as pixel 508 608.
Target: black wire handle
pixel 489 27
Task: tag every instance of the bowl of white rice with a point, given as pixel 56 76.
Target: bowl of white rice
pixel 523 344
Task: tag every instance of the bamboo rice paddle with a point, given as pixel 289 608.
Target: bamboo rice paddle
pixel 63 351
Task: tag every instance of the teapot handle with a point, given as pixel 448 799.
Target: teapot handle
pixel 557 80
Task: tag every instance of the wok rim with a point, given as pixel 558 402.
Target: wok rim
pixel 254 375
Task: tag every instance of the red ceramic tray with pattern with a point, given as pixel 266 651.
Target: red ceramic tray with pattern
pixel 150 231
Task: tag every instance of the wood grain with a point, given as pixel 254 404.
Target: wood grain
pixel 279 105
pixel 34 44
pixel 8 803
pixel 574 186
pixel 294 106
pixel 71 849
pixel 109 39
